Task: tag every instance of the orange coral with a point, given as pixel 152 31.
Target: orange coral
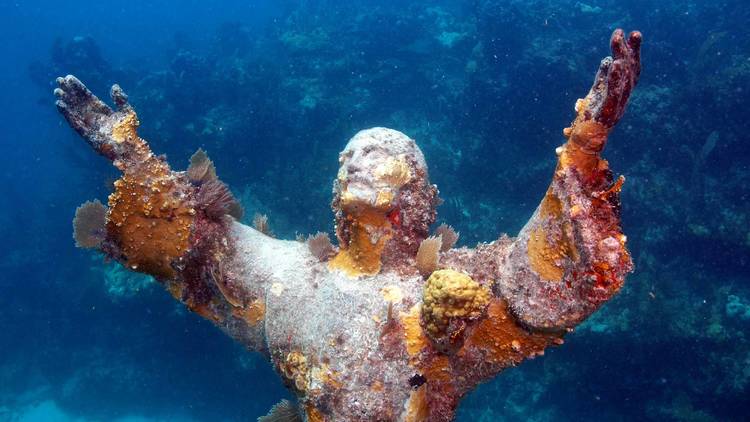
pixel 296 370
pixel 252 313
pixel 414 337
pixel 586 139
pixel 550 244
pixel 148 217
pixel 503 341
pixel 497 340
pixel 419 408
pixel 313 414
pixel 370 229
pixel 548 248
pixel 418 346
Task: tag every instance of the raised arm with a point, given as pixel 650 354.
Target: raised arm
pixel 489 308
pixel 571 256
pixel 177 226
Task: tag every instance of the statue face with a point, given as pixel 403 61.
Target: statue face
pixel 382 192
pixel 375 165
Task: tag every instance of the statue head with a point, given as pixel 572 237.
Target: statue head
pixel 382 189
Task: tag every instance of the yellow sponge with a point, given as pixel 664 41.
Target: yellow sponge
pixel 451 295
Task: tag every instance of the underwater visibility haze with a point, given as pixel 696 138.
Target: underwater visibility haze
pixel 342 253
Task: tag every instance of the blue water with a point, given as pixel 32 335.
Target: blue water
pixel 272 90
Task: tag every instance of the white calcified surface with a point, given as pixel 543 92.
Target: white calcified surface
pixel 375 163
pixel 335 320
pixel 389 142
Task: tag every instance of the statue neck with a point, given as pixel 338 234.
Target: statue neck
pixel 362 237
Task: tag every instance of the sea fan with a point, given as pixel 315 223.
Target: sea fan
pixel 89 224
pixel 260 222
pixel 427 255
pixel 320 245
pixel 449 236
pixel 283 411
pixel 216 200
pixel 236 210
pixel 201 168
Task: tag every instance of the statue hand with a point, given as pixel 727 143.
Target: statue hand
pixel 87 114
pixel 616 78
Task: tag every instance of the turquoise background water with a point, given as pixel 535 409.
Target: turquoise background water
pixel 273 90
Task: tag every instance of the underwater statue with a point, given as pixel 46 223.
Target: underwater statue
pixel 394 323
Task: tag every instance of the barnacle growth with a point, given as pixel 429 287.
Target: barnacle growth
pixel 357 332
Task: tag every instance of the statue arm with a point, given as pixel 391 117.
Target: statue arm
pixel 494 306
pixel 179 227
pixel 571 255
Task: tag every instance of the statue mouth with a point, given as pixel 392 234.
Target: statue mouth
pixel 359 195
pixel 377 188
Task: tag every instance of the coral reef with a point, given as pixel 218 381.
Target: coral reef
pixel 361 335
pixel 737 308
pixel 121 283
